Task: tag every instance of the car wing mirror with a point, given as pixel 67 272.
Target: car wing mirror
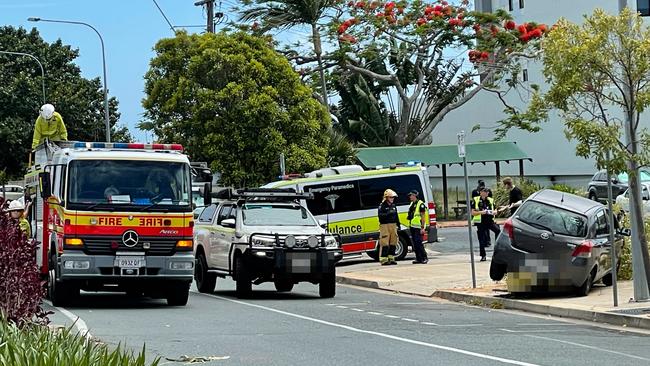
pixel 228 223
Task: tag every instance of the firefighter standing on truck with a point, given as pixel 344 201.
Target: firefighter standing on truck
pixel 417 212
pixel 49 124
pixel 388 225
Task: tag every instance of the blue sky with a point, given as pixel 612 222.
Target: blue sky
pixel 130 30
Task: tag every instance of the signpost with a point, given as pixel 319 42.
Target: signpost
pixel 612 227
pixel 461 154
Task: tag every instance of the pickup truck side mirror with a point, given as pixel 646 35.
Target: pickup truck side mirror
pixel 207 194
pixel 625 232
pixel 230 223
pixel 323 224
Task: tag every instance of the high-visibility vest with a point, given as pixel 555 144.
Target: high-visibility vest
pixel 416 221
pixel 477 218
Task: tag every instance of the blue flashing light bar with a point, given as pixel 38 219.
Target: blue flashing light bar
pixel 127 146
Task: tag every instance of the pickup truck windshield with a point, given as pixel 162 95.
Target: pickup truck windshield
pixel 276 215
pixel 123 182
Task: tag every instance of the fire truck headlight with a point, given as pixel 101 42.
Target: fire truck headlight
pixel 181 265
pixel 76 264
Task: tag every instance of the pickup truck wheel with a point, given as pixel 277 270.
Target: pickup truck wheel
pixel 244 287
pixel 178 294
pixel 327 286
pixel 283 285
pixel 205 281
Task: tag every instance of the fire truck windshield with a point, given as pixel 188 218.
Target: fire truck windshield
pixel 118 183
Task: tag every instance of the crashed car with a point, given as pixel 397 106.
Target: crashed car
pixel 264 235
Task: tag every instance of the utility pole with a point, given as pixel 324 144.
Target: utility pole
pixel 209 7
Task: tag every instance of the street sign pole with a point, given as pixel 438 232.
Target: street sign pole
pixel 282 165
pixel 611 232
pixel 461 154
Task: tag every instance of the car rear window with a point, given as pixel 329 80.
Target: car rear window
pixel 560 221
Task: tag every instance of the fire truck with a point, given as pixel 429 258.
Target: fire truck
pixel 112 217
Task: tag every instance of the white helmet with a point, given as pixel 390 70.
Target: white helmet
pixel 16 205
pixel 47 111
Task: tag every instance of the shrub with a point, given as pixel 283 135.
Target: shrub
pixel 21 287
pixel 625 257
pixel 37 345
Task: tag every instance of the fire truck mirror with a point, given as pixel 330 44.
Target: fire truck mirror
pixel 207 194
pixel 45 185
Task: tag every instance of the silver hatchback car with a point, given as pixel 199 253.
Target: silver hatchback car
pixel 556 241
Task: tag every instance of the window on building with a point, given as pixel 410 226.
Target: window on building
pixel 643 7
pixel 510 6
pixel 521 4
pixel 525 75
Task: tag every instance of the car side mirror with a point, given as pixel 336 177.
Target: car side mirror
pixel 45 185
pixel 625 232
pixel 207 194
pixel 228 223
pixel 323 224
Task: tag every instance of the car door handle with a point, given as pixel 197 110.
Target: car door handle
pixel 571 246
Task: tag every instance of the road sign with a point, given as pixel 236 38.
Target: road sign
pixel 461 144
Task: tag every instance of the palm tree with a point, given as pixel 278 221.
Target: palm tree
pixel 285 14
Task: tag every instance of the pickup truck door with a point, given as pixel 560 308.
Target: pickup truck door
pixel 222 238
pixel 205 232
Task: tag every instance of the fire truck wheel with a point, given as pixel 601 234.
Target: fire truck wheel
pixel 178 294
pixel 244 287
pixel 61 293
pixel 205 281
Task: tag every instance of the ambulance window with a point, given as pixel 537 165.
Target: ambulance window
pixel 208 212
pixel 372 189
pixel 347 192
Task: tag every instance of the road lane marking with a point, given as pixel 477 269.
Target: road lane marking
pixel 392 316
pixel 374 313
pixel 341 307
pixel 378 334
pixel 78 323
pixel 589 347
pixel 355 309
pixel 534 330
pixel 410 320
pixel 430 323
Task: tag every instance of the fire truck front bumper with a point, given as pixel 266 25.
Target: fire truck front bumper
pixel 113 268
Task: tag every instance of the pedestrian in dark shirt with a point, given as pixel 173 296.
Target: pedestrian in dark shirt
pixel 515 196
pixel 483 217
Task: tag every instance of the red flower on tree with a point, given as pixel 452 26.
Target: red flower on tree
pixel 509 25
pixel 421 21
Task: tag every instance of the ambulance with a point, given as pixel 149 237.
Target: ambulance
pixel 112 217
pixel 346 200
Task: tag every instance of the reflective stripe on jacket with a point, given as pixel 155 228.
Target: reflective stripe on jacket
pixel 477 218
pixel 416 209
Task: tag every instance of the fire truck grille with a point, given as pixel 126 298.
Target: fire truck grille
pixel 105 245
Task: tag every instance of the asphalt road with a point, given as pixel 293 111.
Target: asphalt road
pixel 357 327
pixel 455 240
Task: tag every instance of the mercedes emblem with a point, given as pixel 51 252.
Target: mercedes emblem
pixel 130 238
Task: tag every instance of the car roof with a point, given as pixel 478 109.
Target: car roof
pixel 565 200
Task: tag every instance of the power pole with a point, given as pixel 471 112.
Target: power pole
pixel 209 7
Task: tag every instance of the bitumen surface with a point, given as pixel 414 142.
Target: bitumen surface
pixel 357 327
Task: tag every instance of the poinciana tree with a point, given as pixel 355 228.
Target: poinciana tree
pixel 408 48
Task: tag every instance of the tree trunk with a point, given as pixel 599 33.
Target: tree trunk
pixel 404 118
pixel 318 50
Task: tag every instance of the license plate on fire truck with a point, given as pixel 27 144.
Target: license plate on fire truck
pixel 130 261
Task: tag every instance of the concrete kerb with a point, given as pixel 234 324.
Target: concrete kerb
pixel 501 303
pixel 357 282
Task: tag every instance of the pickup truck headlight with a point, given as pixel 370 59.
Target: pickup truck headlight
pixel 259 241
pixel 331 243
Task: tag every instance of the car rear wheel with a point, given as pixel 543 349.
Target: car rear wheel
pixel 497 271
pixel 283 285
pixel 327 286
pixel 592 196
pixel 586 286
pixel 205 281
pixel 243 285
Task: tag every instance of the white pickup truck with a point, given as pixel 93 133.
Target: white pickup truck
pixel 263 235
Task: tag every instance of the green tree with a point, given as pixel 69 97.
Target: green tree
pixel 237 103
pixel 79 100
pixel 405 48
pixel 285 14
pixel 598 74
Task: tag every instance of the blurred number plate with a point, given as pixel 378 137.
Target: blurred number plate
pixel 130 262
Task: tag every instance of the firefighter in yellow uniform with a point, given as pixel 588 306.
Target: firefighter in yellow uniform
pixel 49 124
pixel 16 211
pixel 388 225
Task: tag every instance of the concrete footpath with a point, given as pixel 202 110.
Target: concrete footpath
pixel 449 277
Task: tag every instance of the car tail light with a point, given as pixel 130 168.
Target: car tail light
pixel 432 214
pixel 583 250
pixel 508 228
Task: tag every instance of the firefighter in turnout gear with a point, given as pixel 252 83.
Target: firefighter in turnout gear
pixel 49 124
pixel 16 212
pixel 388 225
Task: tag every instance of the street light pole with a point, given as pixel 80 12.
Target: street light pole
pixel 101 40
pixel 39 64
